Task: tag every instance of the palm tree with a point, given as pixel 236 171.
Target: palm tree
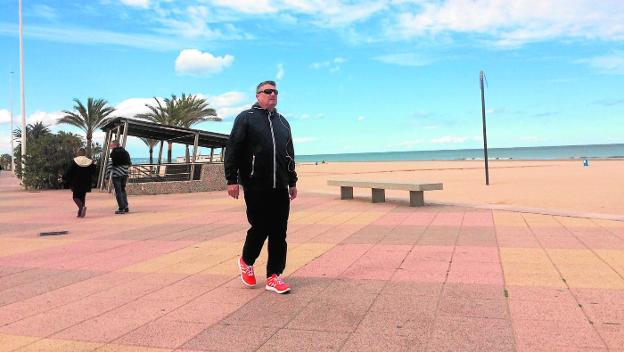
pixel 88 118
pixel 183 112
pixel 33 131
pixel 151 143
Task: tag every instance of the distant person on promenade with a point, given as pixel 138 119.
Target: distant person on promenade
pixel 117 168
pixel 260 156
pixel 79 177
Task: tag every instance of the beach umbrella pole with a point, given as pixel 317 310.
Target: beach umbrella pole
pixel 485 148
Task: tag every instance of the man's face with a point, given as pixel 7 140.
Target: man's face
pixel 267 101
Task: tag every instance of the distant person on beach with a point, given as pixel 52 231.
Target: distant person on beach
pixel 260 156
pixel 79 177
pixel 117 168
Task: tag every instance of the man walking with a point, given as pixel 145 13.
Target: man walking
pixel 260 156
pixel 117 167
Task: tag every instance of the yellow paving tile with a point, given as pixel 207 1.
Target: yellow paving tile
pixel 573 256
pixel 11 342
pixel 503 218
pixel 125 348
pixel 12 246
pixel 575 222
pixel 582 280
pixel 57 345
pixel 339 218
pixel 523 255
pixel 305 253
pixel 513 268
pixel 542 280
pixel 541 220
pixel 610 224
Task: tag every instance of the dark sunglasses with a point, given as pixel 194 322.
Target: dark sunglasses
pixel 268 91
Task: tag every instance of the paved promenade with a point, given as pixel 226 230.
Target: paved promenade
pixel 378 277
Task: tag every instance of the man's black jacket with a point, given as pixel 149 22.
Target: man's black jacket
pixel 260 152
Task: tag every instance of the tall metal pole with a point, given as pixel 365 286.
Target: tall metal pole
pixel 485 148
pixel 11 116
pixel 21 42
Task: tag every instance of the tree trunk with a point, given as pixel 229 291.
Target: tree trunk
pixel 88 147
pixel 151 151
pixel 187 154
pixel 169 151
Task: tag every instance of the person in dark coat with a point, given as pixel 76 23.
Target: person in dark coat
pixel 79 177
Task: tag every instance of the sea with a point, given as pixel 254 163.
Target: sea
pixel 561 152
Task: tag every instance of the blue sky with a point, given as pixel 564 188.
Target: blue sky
pixel 354 76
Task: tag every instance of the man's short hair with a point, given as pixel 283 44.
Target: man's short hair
pixel 263 83
pixel 81 152
pixel 115 143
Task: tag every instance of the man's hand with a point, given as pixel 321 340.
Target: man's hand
pixel 233 191
pixel 293 192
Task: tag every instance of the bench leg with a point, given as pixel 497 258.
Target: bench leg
pixel 379 195
pixel 346 192
pixel 417 198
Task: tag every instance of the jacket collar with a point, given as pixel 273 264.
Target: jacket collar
pixel 257 106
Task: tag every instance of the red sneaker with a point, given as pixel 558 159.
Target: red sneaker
pixel 247 273
pixel 276 284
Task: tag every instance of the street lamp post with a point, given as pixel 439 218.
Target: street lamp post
pixel 485 147
pixel 23 101
pixel 11 117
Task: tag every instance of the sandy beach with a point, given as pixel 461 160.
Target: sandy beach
pixel 562 185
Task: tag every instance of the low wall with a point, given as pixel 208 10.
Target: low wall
pixel 212 179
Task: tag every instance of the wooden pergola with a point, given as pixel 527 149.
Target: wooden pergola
pixel 120 128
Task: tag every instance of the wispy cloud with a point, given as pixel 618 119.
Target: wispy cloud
pixel 333 65
pixel 47 118
pixel 511 24
pixel 197 63
pixel 280 72
pixel 404 59
pixel 609 102
pixel 406 144
pixel 309 116
pixel 44 11
pixel 88 36
pixel 454 139
pixel 612 63
pixel 136 3
pixel 360 118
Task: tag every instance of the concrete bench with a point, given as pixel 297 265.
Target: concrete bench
pixel 379 189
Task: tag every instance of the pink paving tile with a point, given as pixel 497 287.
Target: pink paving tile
pixel 104 328
pixel 546 311
pixel 612 334
pixel 372 341
pixel 267 310
pixel 471 334
pixel 439 236
pixel 465 254
pixel 448 219
pixel 412 289
pixel 430 253
pixel 555 334
pixel 202 312
pixel 392 219
pixel 333 313
pixel 418 219
pixel 478 218
pixel 221 337
pixel 402 275
pixel 379 263
pixel 404 303
pixel 415 326
pixel 606 313
pixel 232 292
pixel 473 308
pixel 438 267
pixel 476 273
pixel 474 291
pixel 540 294
pixel 301 340
pixel 163 334
pixel 334 262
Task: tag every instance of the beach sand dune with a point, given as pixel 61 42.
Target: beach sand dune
pixel 563 185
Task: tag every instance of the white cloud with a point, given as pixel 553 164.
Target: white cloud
pixel 195 62
pixel 5 143
pixel 248 6
pixel 453 139
pixel 302 140
pixel 513 23
pixel 44 11
pixel 360 118
pixel 228 104
pixel 333 65
pixel 136 3
pixel 404 59
pixel 81 35
pixel 5 116
pixel 133 106
pixel 608 64
pixel 48 118
pixel 280 72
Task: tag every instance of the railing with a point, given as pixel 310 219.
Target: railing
pixel 164 172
